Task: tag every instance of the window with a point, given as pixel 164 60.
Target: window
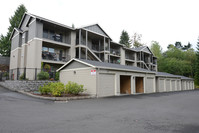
pixel 44 49
pixel 51 35
pixel 51 50
pixel 45 33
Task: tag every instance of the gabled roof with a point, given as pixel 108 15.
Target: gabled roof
pixel 95 28
pixel 144 49
pixel 17 30
pixel 43 19
pixel 164 74
pixel 185 78
pixel 110 66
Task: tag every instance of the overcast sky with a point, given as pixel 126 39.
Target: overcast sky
pixel 165 21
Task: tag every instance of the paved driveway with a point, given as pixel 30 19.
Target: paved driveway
pixel 176 112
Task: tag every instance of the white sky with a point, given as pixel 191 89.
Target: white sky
pixel 165 21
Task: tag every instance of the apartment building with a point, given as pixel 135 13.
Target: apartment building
pixel 38 40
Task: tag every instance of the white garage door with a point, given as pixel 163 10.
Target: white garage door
pixel 161 85
pixel 173 88
pixel 178 85
pixel 106 85
pixel 149 84
pixel 168 85
pixel 183 85
pixel 187 84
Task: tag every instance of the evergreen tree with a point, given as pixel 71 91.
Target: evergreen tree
pixel 125 39
pixel 197 64
pixel 5 43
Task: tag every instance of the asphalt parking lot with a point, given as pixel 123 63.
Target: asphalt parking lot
pixel 176 112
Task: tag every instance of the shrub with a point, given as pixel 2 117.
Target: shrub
pixel 43 75
pixel 22 77
pixel 47 67
pixel 5 74
pixel 57 76
pixel 45 89
pixel 74 88
pixel 57 89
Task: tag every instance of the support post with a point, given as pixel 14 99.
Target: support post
pixel 86 44
pixel 104 48
pixel 35 73
pixel 109 49
pixel 17 73
pixel 79 44
pixel 25 73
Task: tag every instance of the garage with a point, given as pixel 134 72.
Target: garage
pixel 107 79
pixel 160 85
pixel 139 83
pixel 150 87
pixel 173 86
pixel 178 85
pixel 106 85
pixel 125 84
pixel 168 86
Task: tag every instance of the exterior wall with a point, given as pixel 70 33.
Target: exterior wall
pixel 23 56
pixel 15 58
pixel 16 41
pixel 122 57
pixel 73 44
pixel 34 56
pixel 80 76
pixel 148 79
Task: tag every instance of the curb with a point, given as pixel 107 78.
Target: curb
pixel 49 98
pixel 57 98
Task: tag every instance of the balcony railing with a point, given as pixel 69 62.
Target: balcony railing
pixel 131 57
pixel 115 61
pixel 55 57
pixel 115 52
pixel 95 47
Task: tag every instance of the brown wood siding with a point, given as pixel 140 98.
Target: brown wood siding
pixel 125 84
pixel 139 85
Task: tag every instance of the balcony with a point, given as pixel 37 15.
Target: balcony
pixel 57 37
pixel 115 52
pixel 130 57
pixel 115 61
pixel 54 57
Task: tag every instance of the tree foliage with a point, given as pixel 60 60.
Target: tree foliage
pixel 197 65
pixel 5 44
pixel 125 39
pixel 178 61
pixel 156 49
pixel 180 46
pixel 137 40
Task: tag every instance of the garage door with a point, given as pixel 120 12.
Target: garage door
pixel 178 85
pixel 173 88
pixel 106 85
pixel 183 85
pixel 149 84
pixel 168 85
pixel 161 85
